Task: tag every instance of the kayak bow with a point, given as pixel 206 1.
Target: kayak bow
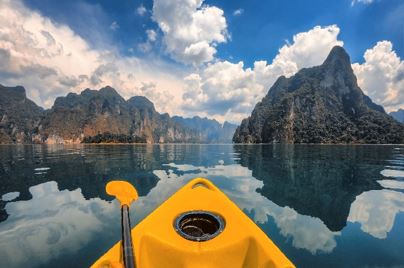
pixel 199 226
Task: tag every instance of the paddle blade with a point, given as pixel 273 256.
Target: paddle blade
pixel 123 191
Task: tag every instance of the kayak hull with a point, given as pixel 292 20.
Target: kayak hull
pixel 157 243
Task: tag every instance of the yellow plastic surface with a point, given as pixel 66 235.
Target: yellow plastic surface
pixel 242 244
pixel 123 191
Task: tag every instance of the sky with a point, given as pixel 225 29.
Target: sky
pixel 192 57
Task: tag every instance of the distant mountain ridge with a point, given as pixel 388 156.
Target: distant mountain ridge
pixel 322 104
pixel 209 130
pixel 398 115
pixel 93 116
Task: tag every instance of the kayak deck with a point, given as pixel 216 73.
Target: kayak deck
pixel 157 243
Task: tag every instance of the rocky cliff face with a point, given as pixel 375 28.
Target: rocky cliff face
pixel 104 116
pixel 322 104
pixel 19 116
pixel 209 130
pixel 92 116
pixel 398 115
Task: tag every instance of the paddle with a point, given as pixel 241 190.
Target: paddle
pixel 126 194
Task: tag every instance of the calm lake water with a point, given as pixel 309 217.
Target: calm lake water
pixel 324 206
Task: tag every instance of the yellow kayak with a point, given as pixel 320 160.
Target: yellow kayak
pixel 199 226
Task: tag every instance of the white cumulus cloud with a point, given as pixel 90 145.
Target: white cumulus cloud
pixel 191 30
pixel 381 76
pixel 50 60
pixel 229 90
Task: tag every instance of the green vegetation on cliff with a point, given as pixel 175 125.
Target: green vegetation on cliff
pixel 322 104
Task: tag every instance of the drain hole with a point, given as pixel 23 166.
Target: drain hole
pixel 199 225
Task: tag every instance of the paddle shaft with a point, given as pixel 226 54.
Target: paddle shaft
pixel 128 256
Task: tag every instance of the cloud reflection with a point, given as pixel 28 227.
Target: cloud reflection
pixel 55 223
pixel 52 223
pixel 376 211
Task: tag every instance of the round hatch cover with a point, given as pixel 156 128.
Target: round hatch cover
pixel 199 225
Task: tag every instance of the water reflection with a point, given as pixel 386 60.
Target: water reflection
pixel 90 167
pixel 318 181
pixel 10 196
pixel 308 198
pixel 376 211
pixel 51 224
pixel 392 184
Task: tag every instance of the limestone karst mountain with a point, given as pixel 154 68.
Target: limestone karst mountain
pixel 19 116
pixel 322 104
pixel 104 116
pixel 209 130
pixel 94 116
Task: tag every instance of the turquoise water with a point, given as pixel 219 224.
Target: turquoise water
pixel 324 206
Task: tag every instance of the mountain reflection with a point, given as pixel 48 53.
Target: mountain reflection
pixel 320 181
pixel 91 167
pixel 88 168
pixel 376 210
pixel 301 196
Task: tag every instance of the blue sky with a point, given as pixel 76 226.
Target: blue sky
pixel 257 33
pixel 194 57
